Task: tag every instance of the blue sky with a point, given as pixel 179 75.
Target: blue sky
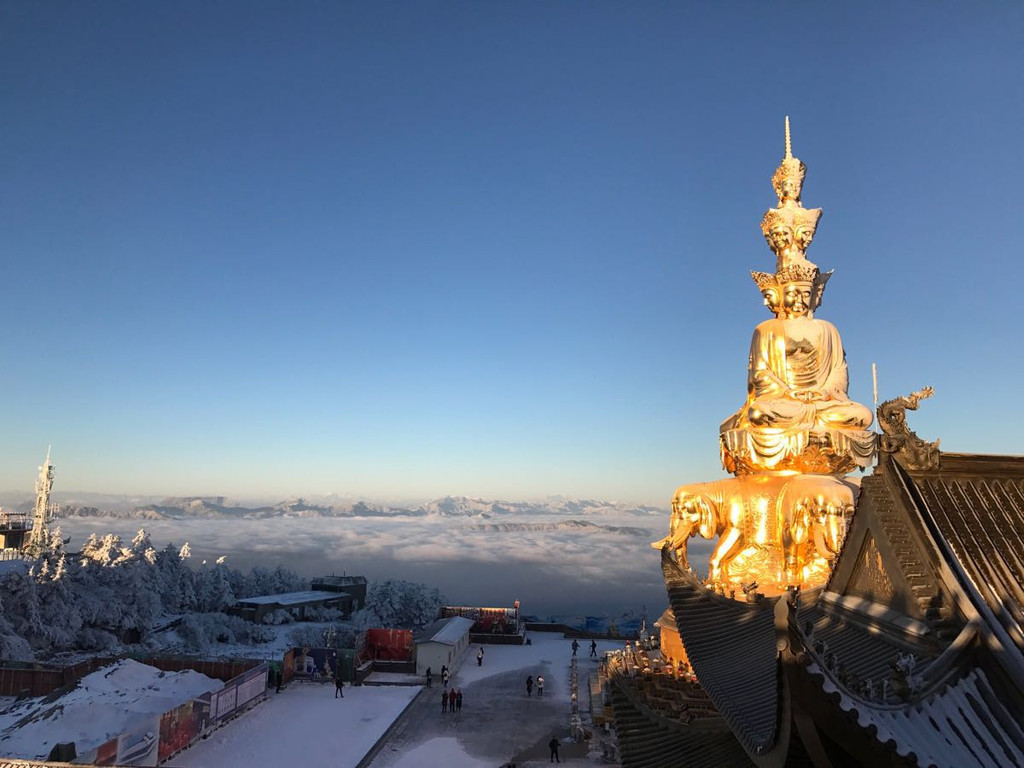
pixel 501 249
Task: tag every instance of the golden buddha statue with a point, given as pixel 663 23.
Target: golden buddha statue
pixel 797 415
pixel 782 520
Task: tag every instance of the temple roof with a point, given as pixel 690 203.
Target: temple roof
pixel 648 738
pixel 947 536
pixel 731 646
pixel 976 504
pixel 860 651
pixel 957 725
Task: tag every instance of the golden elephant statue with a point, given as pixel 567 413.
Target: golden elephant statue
pixel 775 530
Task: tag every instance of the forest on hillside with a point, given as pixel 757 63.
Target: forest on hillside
pixel 115 597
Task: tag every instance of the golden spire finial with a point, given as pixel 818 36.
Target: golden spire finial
pixel 791 171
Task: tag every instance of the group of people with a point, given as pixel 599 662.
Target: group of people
pixel 529 685
pixel 593 647
pixel 451 700
pixel 446 676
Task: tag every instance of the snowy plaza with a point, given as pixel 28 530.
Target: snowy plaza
pixel 305 724
pixel 499 723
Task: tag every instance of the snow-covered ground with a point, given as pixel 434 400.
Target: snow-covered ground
pixel 106 703
pixel 303 725
pixel 169 642
pixel 499 722
pixel 306 725
pixel 441 751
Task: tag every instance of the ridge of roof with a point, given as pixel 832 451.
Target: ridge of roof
pixel 977 464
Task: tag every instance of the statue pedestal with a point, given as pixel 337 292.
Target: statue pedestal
pixel 824 451
pixel 777 530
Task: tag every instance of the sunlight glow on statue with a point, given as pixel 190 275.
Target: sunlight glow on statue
pixel 797 416
pixel 782 520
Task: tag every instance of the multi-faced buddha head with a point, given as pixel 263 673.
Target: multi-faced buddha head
pixel 794 291
pixel 789 231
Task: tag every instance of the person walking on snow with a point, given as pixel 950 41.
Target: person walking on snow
pixel 444 702
pixel 540 685
pixel 451 699
pixel 458 701
pixel 480 657
pixel 553 746
pixel 430 678
pixel 339 686
pixel 593 647
pixel 575 646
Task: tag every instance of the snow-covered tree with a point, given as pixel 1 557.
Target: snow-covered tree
pixel 21 601
pixel 103 551
pixel 60 601
pixel 213 587
pixel 399 604
pixel 12 645
pixel 58 610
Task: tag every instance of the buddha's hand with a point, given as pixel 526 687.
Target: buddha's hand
pixel 807 395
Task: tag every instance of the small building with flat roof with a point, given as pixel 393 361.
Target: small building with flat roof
pixel 296 603
pixel 442 643
pixel 15 528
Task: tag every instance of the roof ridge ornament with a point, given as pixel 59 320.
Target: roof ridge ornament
pixel 897 438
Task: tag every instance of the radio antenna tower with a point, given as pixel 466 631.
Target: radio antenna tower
pixel 40 536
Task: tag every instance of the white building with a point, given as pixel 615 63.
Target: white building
pixel 442 643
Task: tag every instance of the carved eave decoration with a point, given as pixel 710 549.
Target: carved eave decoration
pixel 913 453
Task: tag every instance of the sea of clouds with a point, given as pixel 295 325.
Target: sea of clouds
pixel 555 565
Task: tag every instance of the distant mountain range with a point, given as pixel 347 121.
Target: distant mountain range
pixel 579 526
pixel 214 507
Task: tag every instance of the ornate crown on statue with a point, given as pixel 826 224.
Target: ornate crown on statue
pixel 770 283
pixel 789 228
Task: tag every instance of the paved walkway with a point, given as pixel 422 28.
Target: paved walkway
pixel 498 723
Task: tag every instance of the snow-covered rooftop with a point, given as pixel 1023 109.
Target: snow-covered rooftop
pixel 293 598
pixel 445 631
pixel 104 704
